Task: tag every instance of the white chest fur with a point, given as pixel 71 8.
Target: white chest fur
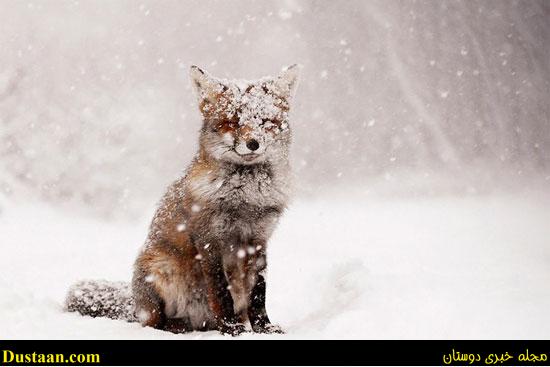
pixel 261 186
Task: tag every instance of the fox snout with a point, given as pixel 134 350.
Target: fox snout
pixel 249 141
pixel 250 146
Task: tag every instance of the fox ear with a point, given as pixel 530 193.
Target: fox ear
pixel 205 85
pixel 287 81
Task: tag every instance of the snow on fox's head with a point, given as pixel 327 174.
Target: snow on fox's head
pixel 245 122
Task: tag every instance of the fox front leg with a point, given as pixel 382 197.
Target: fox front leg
pixel 257 313
pixel 219 297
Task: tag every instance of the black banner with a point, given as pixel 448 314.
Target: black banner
pixel 274 352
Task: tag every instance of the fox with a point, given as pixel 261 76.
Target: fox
pixel 203 265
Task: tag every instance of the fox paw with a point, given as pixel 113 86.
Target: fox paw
pixel 268 329
pixel 232 329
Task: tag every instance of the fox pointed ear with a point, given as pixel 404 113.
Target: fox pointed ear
pixel 205 85
pixel 287 81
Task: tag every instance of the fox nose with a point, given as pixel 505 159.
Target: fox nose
pixel 252 144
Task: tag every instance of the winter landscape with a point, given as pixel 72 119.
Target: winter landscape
pixel 421 157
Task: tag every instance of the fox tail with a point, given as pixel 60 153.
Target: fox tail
pixel 102 299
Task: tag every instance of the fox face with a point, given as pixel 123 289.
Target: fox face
pixel 245 122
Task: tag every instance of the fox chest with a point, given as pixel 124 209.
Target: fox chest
pixel 236 188
pixel 242 204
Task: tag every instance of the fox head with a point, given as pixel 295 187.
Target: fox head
pixel 245 122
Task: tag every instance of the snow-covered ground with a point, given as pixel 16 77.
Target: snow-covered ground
pixel 446 267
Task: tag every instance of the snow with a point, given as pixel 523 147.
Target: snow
pixel 339 267
pixel 415 129
pixel 100 121
pixel 284 14
pixel 241 254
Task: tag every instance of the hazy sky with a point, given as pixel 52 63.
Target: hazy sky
pixel 95 104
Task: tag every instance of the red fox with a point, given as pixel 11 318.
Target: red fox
pixel 203 263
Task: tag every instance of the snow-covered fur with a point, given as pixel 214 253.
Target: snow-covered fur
pixel 102 299
pixel 203 264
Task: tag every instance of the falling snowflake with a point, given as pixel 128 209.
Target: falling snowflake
pixel 285 14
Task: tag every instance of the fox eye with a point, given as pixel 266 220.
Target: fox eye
pixel 270 125
pixel 224 126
